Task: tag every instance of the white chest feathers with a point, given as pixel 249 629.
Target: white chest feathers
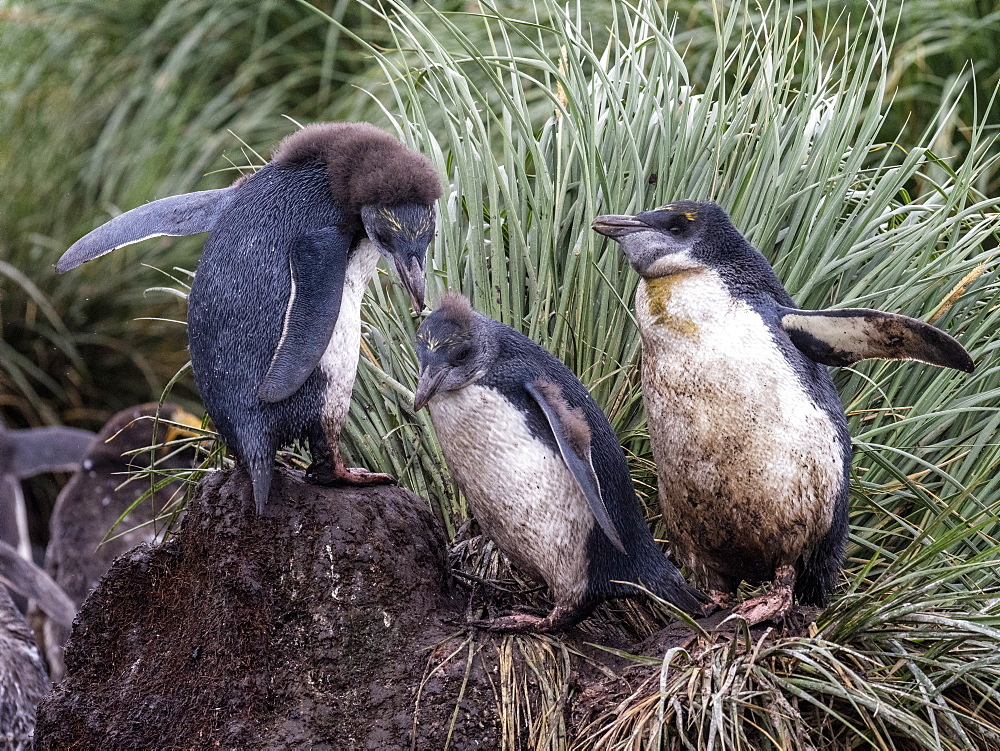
pixel 748 465
pixel 520 491
pixel 340 360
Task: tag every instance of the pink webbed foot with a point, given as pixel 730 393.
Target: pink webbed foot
pixel 559 619
pixel 773 606
pixel 360 476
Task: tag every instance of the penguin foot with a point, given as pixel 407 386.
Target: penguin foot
pixel 361 476
pixel 718 600
pixel 775 605
pixel 520 623
pixel 341 475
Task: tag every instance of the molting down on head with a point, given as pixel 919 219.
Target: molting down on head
pixel 453 348
pixel 380 184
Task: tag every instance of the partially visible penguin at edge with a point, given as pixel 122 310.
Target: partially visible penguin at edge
pixel 92 501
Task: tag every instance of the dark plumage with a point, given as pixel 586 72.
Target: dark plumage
pixel 540 465
pixel 23 680
pixel 97 496
pixel 274 309
pixel 748 432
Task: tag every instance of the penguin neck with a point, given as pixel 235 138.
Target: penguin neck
pixel 676 309
pixel 360 269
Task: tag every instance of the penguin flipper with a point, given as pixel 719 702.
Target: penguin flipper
pixel 28 580
pixel 319 265
pixel 186 214
pixel 572 434
pixel 845 336
pixel 25 453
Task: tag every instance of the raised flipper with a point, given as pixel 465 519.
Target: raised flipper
pixel 25 453
pixel 187 214
pixel 25 578
pixel 318 264
pixel 572 434
pixel 843 337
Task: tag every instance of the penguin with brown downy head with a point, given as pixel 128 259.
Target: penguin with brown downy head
pixel 540 466
pixel 274 313
pixel 98 497
pixel 748 432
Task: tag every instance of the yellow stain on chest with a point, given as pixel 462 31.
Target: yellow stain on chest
pixel 658 293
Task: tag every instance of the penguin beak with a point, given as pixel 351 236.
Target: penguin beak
pixel 412 276
pixel 427 387
pixel 616 226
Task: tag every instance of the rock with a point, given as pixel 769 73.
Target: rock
pixel 329 623
pixel 310 627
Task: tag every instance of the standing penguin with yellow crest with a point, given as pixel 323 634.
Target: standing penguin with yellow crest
pixel 747 429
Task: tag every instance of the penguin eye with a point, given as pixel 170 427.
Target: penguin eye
pixel 462 356
pixel 676 230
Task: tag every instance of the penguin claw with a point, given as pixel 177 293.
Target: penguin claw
pixel 513 623
pixel 361 476
pixel 357 476
pixel 557 620
pixel 773 606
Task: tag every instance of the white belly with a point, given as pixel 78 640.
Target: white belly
pixel 748 466
pixel 340 360
pixel 521 492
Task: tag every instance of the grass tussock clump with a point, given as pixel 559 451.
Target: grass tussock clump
pixel 541 122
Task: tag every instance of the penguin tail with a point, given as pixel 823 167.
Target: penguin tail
pixel 260 477
pixel 670 586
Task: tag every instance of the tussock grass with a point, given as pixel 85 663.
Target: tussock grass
pixel 539 123
pixel 543 115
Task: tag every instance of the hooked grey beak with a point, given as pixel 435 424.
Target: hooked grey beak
pixel 412 277
pixel 427 387
pixel 617 226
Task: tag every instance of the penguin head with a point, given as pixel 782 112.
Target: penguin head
pixel 662 241
pixel 454 349
pixel 402 232
pixel 679 236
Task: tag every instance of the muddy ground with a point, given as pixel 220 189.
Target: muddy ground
pixel 330 623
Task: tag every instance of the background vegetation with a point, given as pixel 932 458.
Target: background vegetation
pixel 839 138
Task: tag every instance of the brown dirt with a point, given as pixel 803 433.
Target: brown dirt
pixel 329 623
pixel 308 628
